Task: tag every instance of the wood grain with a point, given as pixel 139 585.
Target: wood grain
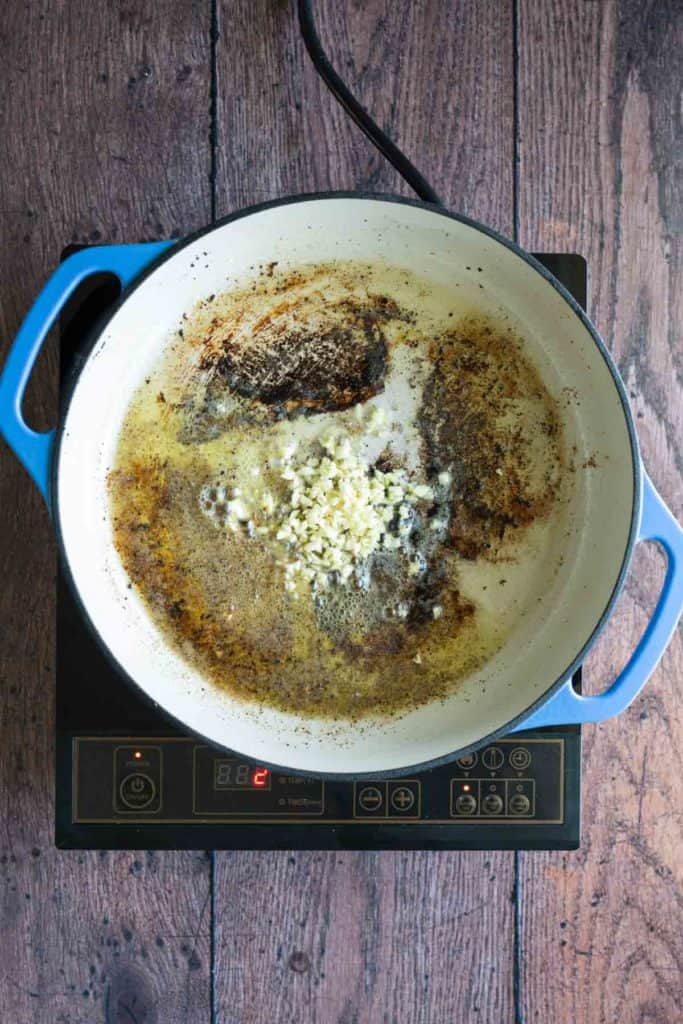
pixel 105 128
pixel 437 76
pixel 600 161
pixel 362 938
pixel 368 938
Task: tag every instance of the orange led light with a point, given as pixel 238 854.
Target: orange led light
pixel 466 788
pixel 260 778
pixel 137 755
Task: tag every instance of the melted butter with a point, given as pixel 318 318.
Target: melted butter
pixel 219 596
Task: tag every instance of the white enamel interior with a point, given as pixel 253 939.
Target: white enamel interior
pixel 547 640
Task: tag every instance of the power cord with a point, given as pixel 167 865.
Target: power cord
pixel 341 92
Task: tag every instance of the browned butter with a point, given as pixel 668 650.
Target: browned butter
pixel 282 361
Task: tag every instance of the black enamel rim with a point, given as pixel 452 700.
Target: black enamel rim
pixel 550 691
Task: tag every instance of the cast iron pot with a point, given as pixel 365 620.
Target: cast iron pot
pixel 528 682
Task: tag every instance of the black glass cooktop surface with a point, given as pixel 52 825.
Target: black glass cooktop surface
pixel 128 778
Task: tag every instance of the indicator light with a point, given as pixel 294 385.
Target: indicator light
pixel 466 788
pixel 260 777
pixel 137 755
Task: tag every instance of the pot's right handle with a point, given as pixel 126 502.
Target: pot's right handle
pixel 568 707
pixel 34 449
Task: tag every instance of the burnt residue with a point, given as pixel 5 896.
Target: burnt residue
pixel 297 371
pixel 483 413
pixel 425 594
pixel 280 354
pixel 395 614
pixel 386 461
pixel 403 632
pixel 296 366
pixel 204 419
pixel 162 542
pixel 159 553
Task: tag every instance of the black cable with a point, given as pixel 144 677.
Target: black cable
pixel 377 137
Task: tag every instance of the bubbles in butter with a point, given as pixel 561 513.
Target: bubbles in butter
pixel 199 474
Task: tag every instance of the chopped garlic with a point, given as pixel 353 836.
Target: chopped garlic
pixel 444 478
pixel 268 503
pixel 337 513
pixel 437 611
pixel 422 491
pixel 238 510
pixel 377 420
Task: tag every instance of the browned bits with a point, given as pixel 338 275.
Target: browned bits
pixel 485 420
pixel 482 407
pixel 297 363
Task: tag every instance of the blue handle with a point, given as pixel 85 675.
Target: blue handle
pixel 34 449
pixel 568 707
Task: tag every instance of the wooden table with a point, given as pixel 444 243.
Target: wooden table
pixel 553 120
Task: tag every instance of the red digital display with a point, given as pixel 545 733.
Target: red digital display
pixel 235 775
pixel 259 777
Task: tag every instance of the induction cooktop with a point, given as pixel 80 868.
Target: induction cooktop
pixel 128 778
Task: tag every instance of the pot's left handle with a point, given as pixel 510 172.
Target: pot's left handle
pixel 567 707
pixel 32 448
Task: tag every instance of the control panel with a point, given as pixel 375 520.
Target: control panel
pixel 167 780
pixel 501 782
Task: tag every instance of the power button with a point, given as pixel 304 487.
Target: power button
pixel 138 779
pixel 137 791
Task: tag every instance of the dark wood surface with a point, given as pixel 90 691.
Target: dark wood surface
pixel 106 138
pixel 600 151
pixel 130 120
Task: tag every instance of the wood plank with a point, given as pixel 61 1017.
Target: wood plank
pixel 439 80
pixel 363 937
pixel 599 148
pixel 105 128
pixel 346 937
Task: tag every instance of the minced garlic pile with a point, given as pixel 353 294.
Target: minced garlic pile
pixel 336 513
pixel 339 513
